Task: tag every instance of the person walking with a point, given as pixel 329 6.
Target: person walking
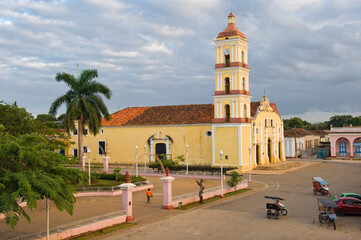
pixel 149 195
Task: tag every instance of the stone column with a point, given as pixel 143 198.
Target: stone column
pixel 105 164
pixel 167 192
pixel 127 200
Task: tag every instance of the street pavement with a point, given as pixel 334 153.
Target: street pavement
pixel 239 217
pixel 244 216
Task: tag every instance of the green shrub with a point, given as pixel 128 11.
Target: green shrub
pixel 235 179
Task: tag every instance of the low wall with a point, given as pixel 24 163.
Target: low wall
pixel 86 228
pixel 110 193
pixel 193 199
pixel 155 173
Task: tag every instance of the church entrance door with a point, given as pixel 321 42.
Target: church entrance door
pixel 160 148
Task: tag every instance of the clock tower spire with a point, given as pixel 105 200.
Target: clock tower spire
pixel 232 97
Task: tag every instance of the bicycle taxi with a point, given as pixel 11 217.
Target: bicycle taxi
pixel 320 186
pixel 326 211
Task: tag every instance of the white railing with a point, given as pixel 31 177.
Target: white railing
pixel 105 188
pixel 67 226
pixel 193 194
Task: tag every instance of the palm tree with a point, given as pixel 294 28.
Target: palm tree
pixel 83 104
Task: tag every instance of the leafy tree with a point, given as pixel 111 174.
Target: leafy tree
pixel 296 122
pixel 17 120
pixel 46 118
pixel 30 171
pixel 49 120
pixel 355 121
pixel 61 121
pixel 235 179
pixel 83 104
pixel 339 120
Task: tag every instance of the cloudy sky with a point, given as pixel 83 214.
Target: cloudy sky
pixel 305 54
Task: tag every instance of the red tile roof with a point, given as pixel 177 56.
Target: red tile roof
pixel 166 115
pixel 162 115
pixel 299 132
pixel 230 30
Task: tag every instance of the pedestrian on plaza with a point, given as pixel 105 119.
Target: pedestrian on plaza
pixel 149 195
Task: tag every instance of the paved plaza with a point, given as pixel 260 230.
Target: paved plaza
pixel 244 217
pixel 239 217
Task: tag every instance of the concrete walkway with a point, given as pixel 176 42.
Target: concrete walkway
pixel 87 207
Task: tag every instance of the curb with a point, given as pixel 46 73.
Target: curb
pixel 274 172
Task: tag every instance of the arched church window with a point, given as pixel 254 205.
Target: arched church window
pixel 228 113
pixel 245 111
pixel 242 57
pixel 244 84
pixel 227 85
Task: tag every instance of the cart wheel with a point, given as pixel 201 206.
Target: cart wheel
pixel 314 192
pixel 284 212
pixel 277 214
pixel 320 218
pixel 269 214
pixel 334 224
pixel 341 212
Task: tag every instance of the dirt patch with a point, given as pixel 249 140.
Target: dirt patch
pixel 279 166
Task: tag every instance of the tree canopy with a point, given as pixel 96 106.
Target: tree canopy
pixel 17 120
pixel 31 171
pixel 335 121
pixel 83 104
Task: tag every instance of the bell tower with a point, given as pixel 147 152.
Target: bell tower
pixel 231 97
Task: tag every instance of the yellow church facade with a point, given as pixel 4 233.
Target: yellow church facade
pixel 246 132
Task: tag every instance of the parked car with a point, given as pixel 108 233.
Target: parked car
pixel 354 195
pixel 348 205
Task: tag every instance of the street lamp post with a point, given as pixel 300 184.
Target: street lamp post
pixel 187 148
pixel 89 166
pixel 145 158
pixel 136 160
pixel 221 155
pixel 250 163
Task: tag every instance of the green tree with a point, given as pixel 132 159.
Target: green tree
pixel 339 120
pixel 234 180
pixel 61 121
pixel 48 120
pixel 30 171
pixel 17 120
pixel 355 121
pixel 83 104
pixel 296 122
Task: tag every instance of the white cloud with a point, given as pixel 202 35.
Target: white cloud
pixel 172 31
pixel 129 54
pixel 158 48
pixel 296 5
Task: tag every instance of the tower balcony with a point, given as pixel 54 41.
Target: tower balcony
pixel 232 64
pixel 231 92
pixel 232 120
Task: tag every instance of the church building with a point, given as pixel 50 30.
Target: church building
pixel 246 132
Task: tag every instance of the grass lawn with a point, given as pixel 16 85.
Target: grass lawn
pixel 98 182
pixel 102 231
pixel 216 198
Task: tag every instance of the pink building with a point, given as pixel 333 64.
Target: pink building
pixel 345 142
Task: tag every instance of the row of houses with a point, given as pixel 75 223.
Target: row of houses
pixel 338 142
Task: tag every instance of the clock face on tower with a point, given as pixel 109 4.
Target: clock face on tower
pixel 227 51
